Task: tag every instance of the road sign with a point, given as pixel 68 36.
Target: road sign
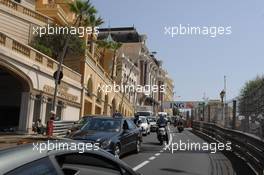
pixel 182 104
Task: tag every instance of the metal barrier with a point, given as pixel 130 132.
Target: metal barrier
pixel 249 147
pixel 60 128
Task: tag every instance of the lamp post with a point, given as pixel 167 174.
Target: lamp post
pixel 222 95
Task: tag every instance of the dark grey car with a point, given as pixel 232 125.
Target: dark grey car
pixel 26 160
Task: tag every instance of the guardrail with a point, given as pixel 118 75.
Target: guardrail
pixel 60 128
pixel 248 147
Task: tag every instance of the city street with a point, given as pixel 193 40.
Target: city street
pixel 154 160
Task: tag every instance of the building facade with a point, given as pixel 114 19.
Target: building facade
pixel 146 69
pixel 27 83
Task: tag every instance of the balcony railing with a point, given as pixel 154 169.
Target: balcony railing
pixel 36 56
pixel 55 11
pixel 17 7
pixel 2 39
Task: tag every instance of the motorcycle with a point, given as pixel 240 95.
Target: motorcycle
pixel 180 128
pixel 162 135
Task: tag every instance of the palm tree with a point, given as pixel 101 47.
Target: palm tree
pixel 114 46
pixel 83 10
pixel 104 45
pixel 93 22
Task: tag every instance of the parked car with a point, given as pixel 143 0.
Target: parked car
pixel 22 160
pixel 77 125
pixel 116 135
pixel 153 124
pixel 144 125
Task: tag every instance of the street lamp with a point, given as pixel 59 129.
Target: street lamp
pixel 222 95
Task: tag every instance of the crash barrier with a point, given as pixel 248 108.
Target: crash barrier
pixel 59 128
pixel 249 147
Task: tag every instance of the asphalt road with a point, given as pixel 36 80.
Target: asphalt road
pixel 155 159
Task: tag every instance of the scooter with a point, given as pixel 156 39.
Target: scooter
pixel 180 128
pixel 162 135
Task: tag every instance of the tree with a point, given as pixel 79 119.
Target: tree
pixel 83 11
pixel 93 21
pixel 175 111
pixel 114 46
pixel 251 96
pixel 52 45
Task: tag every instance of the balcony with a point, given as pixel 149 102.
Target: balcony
pixel 56 12
pixel 26 11
pixel 37 57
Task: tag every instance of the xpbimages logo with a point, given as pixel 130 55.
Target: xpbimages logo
pixel 81 147
pixel 209 31
pixel 146 89
pixel 64 30
pixel 198 146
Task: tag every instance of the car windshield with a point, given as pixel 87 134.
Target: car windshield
pixel 152 120
pixel 143 120
pixel 143 113
pixel 83 120
pixel 103 124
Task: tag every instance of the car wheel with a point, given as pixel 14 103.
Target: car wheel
pixel 138 146
pixel 117 151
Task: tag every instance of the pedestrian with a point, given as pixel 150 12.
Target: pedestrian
pixel 52 115
pixel 40 128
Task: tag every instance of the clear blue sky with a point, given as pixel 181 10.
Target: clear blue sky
pixel 197 64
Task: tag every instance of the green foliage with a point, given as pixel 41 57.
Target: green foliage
pixel 251 86
pixel 86 13
pixel 42 48
pixel 52 45
pixel 175 111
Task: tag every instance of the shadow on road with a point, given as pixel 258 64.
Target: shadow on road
pixel 152 143
pixel 177 171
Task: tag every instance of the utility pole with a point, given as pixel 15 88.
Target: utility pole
pixel 224 111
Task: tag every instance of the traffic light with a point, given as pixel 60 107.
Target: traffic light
pixel 60 76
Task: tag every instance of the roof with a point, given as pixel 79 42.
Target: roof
pixel 121 34
pixel 17 156
pixel 14 157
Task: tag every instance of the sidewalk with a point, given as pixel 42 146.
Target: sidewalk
pixel 7 141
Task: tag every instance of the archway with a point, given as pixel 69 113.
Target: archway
pixel 14 100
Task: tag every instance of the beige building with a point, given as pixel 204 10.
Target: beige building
pixel 27 75
pixel 147 69
pixel 27 93
pixel 169 94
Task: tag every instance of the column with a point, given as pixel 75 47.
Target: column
pixel 30 113
pixel 93 104
pixel 44 101
pixel 63 107
pixel 23 112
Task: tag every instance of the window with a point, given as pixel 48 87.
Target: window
pixel 87 164
pixel 131 124
pixel 39 167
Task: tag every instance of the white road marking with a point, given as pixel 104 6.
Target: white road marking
pixel 152 158
pixel 140 165
pixel 168 145
pixel 157 154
